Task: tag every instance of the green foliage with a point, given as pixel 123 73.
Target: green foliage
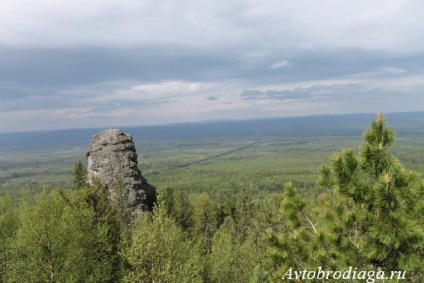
pixel 244 216
pixel 79 175
pixel 8 226
pixel 386 198
pixel 159 252
pixel 177 205
pixel 120 203
pixel 57 242
pixel 223 214
pixel 297 240
pixel 195 166
pixel 236 260
pixel 370 214
pixel 206 223
pixel 200 165
pixel 105 215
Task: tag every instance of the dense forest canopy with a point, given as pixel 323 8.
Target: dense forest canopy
pixel 364 212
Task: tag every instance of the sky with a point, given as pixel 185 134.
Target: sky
pixel 112 63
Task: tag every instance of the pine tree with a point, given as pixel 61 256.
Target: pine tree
pixel 380 204
pixel 79 175
pixel 298 240
pixel 369 215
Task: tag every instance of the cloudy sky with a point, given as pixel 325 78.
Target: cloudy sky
pixel 108 63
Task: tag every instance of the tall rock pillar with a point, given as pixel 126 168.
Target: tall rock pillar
pixel 112 158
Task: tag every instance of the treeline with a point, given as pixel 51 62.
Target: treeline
pixel 367 213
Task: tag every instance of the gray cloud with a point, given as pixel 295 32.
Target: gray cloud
pixel 106 107
pixel 330 93
pixel 260 24
pixel 333 93
pixel 81 66
pixel 357 96
pixel 70 67
pixel 275 94
pixel 60 59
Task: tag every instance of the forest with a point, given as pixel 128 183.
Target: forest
pixel 251 209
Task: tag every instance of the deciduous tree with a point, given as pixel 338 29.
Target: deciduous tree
pixel 159 252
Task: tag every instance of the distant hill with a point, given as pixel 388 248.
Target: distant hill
pixel 409 123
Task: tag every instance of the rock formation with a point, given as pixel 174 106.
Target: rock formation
pixel 112 159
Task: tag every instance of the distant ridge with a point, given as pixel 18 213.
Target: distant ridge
pixel 405 123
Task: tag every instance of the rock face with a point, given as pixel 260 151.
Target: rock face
pixel 112 159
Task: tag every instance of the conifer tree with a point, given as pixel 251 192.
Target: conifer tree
pixel 298 240
pixel 167 197
pixel 105 216
pixel 177 205
pixel 184 211
pixel 244 214
pixel 380 204
pixel 370 214
pixel 205 223
pixel 120 203
pixel 79 175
